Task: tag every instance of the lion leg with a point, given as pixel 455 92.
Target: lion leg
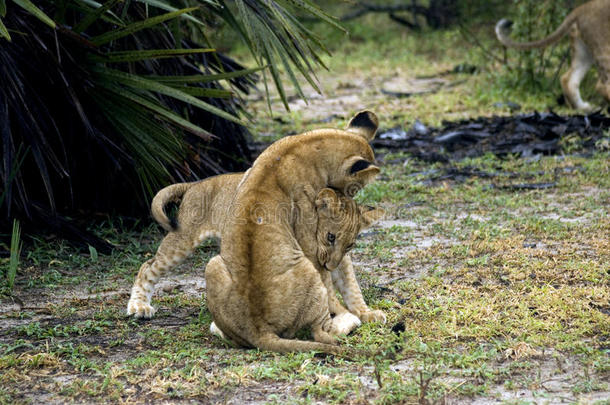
pixel 298 298
pixel 345 280
pixel 334 306
pixel 218 282
pixel 317 302
pixel 343 320
pixel 174 249
pixel 603 88
pixel 234 321
pixel 226 304
pixel 582 60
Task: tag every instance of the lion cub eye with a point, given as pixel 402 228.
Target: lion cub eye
pixel 330 238
pixel 349 247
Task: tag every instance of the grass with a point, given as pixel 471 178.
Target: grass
pixel 509 290
pixel 489 292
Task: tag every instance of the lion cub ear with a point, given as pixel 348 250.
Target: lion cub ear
pixel 366 175
pixel 359 172
pixel 370 215
pixel 365 124
pixel 328 201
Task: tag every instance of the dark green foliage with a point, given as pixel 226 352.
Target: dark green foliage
pixel 101 106
pixel 99 135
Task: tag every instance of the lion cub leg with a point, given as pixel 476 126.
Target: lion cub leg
pixel 582 60
pixel 174 249
pixel 345 280
pixel 227 304
pixel 603 88
pixel 315 298
pixel 343 321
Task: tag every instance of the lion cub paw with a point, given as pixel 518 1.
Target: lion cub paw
pixel 140 309
pixel 215 330
pixel 373 316
pixel 345 323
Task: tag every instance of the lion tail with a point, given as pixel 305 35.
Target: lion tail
pixel 166 195
pixel 503 31
pixel 275 343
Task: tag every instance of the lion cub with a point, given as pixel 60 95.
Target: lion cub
pixel 202 213
pixel 267 310
pixel 589 28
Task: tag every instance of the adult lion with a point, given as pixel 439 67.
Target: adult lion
pixel 589 29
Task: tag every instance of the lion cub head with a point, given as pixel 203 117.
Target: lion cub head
pixel 340 219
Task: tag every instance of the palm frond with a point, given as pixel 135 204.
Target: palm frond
pixel 275 38
pixel 35 11
pixel 4 32
pixel 137 26
pixel 138 82
pixel 113 101
pixel 93 16
pixel 136 56
pixel 86 125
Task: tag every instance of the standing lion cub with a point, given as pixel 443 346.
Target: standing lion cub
pixel 589 28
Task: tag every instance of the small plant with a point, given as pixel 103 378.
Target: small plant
pixel 534 20
pixel 15 251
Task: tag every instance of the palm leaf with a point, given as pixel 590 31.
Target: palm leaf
pixel 4 32
pixel 161 111
pixel 95 15
pixel 315 10
pixel 85 7
pixel 137 26
pixel 203 78
pixel 35 11
pixel 275 37
pixel 205 92
pixel 134 56
pixel 145 84
pixel 163 6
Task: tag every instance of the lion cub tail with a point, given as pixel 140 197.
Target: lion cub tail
pixel 275 343
pixel 166 195
pixel 503 30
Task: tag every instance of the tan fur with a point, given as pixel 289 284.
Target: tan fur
pixel 589 29
pixel 262 287
pixel 298 297
pixel 202 212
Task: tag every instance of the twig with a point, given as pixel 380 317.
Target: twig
pixel 404 22
pixel 374 8
pixel 563 59
pixel 466 34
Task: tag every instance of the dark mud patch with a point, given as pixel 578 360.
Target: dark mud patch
pixel 523 135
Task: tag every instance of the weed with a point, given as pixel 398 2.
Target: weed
pixel 15 252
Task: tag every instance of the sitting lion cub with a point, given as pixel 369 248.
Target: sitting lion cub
pixel 262 287
pixel 203 210
pixel 301 295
